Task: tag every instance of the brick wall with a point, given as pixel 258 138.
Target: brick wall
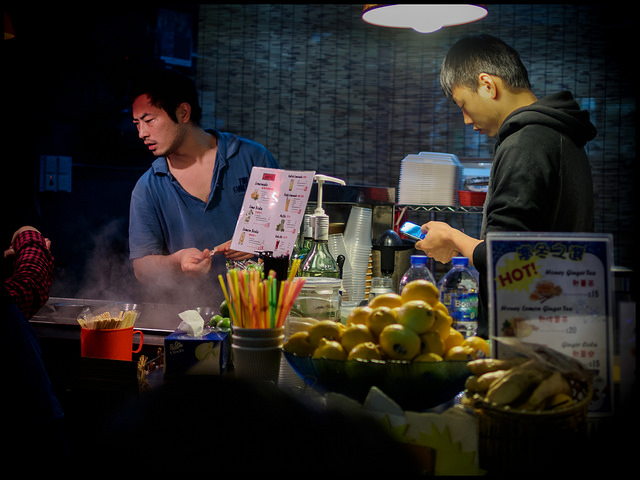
pixel 324 91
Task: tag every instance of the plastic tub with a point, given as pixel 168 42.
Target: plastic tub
pixel 471 199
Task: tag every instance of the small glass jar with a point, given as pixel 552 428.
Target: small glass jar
pixel 380 285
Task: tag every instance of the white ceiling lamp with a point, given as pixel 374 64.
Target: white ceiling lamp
pixel 422 18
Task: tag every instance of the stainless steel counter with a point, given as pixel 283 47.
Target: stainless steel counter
pixel 58 317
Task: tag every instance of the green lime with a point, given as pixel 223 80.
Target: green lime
pixel 224 324
pixel 215 320
pixel 224 309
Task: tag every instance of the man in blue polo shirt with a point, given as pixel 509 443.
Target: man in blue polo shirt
pixel 185 207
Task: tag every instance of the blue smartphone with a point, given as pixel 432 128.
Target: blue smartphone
pixel 412 231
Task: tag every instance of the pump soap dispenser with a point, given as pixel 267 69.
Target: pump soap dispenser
pixel 319 262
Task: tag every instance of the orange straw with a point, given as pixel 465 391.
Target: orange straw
pixel 257 303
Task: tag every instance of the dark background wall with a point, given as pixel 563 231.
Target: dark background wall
pixel 316 85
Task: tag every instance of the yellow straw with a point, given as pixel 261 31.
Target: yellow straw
pixel 260 313
pixel 283 286
pixel 238 299
pixel 294 269
pixel 273 301
pixel 291 295
pixel 255 302
pixel 226 297
pixel 234 304
pixel 244 298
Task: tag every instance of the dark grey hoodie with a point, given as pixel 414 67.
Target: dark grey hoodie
pixel 540 178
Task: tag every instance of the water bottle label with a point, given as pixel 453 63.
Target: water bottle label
pixel 463 307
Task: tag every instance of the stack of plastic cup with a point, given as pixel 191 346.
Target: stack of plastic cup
pixel 357 239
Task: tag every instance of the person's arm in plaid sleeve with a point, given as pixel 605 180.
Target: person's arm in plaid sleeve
pixel 33 270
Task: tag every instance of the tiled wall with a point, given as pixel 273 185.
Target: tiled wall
pixel 324 91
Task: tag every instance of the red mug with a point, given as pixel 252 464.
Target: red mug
pixel 109 343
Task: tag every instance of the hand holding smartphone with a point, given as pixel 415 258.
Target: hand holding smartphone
pixel 412 231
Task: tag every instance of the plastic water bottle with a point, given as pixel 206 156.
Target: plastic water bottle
pixel 459 293
pixel 417 270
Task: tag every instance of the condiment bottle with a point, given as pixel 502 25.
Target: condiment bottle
pixel 319 262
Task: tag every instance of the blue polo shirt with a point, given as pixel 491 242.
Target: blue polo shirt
pixel 165 218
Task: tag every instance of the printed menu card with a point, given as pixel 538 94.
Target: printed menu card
pixel 555 290
pixel 272 211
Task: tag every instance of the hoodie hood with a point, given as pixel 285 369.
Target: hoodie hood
pixel 559 112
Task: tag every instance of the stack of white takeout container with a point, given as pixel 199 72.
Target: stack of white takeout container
pixel 430 178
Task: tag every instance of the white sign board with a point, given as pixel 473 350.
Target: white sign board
pixel 272 211
pixel 556 290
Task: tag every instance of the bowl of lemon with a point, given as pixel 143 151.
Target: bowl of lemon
pixel 403 344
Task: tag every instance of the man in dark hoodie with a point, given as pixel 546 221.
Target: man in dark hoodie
pixel 540 177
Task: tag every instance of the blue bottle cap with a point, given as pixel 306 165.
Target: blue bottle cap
pixel 464 261
pixel 418 260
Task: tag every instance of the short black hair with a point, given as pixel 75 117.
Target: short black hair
pixel 167 89
pixel 476 54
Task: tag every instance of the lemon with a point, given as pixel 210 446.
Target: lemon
pixel 390 300
pixel 439 306
pixel 355 334
pixel 399 342
pixel 380 318
pixel 479 346
pixel 328 329
pixel 420 290
pixel 298 344
pixel 459 352
pixel 359 314
pixel 441 324
pixel 454 339
pixel 416 315
pixel 432 343
pixel 365 351
pixel 428 357
pixel 330 349
pixel 443 313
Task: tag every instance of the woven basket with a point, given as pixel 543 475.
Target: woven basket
pixel 518 441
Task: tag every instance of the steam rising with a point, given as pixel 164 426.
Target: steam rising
pixel 108 275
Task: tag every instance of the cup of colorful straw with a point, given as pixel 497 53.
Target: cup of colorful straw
pixel 258 308
pixel 257 302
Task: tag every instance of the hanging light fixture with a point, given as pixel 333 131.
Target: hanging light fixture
pixel 422 18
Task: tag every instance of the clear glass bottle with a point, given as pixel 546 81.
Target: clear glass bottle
pixel 459 293
pixel 307 235
pixel 298 251
pixel 295 252
pixel 319 262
